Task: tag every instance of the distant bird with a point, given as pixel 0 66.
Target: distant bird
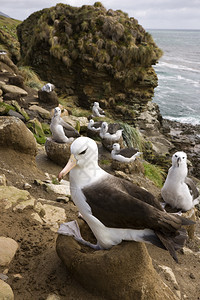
pixel 116 209
pixel 125 155
pixel 94 126
pixel 111 133
pixel 61 131
pixel 97 111
pixel 49 87
pixel 176 190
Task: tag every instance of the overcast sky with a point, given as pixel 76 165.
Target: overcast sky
pixel 151 14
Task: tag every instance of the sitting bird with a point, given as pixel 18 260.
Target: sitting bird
pixel 97 111
pixel 125 155
pixel 94 126
pixel 179 191
pixel 49 87
pixel 61 131
pixel 116 209
pixel 111 134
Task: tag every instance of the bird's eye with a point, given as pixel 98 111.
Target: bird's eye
pixel 183 157
pixel 175 155
pixel 83 152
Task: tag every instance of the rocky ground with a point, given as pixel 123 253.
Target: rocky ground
pixel 36 272
pixel 32 205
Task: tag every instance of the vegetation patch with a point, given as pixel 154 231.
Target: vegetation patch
pixel 154 173
pixel 31 78
pixel 8 37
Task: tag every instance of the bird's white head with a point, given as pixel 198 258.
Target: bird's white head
pixel 104 127
pixel 116 146
pixel 91 122
pixel 57 111
pixel 84 155
pixel 96 104
pixel 179 159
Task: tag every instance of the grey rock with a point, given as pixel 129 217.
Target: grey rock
pixel 14 134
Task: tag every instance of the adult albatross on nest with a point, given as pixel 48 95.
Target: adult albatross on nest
pixel 125 155
pixel 116 209
pixel 111 132
pixel 179 191
pixel 61 131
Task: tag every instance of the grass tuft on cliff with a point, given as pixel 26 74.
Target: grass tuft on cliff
pixel 105 39
pixel 31 78
pixel 8 37
pixel 154 173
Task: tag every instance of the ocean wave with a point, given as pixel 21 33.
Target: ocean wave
pixel 183 60
pixel 191 81
pixel 177 67
pixel 166 78
pixel 186 120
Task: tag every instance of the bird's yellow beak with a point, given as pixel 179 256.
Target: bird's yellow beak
pixel 70 165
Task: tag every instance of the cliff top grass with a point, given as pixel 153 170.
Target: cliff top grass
pixel 8 37
pixel 107 40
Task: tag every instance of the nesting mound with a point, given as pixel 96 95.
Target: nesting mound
pixel 123 272
pixel 57 152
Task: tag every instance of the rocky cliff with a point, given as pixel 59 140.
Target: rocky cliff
pixel 93 53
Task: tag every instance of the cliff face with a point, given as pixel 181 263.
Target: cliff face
pixel 8 37
pixel 94 54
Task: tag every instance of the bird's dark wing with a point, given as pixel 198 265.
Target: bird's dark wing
pixel 68 129
pixel 97 124
pixel 101 111
pixel 127 152
pixel 192 187
pixel 115 207
pixel 113 127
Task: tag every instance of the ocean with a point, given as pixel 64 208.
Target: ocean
pixel 178 71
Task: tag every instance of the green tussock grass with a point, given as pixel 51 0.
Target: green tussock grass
pixel 154 173
pixel 133 137
pixel 31 78
pixel 8 36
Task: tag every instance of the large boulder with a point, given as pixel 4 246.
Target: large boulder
pixel 8 248
pixel 123 272
pixel 6 292
pixel 15 135
pixel 17 80
pixel 8 88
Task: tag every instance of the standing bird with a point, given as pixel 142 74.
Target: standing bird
pixel 177 186
pixel 61 131
pixel 97 111
pixel 125 155
pixel 112 134
pixel 116 209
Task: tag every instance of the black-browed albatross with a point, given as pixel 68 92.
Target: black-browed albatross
pixel 179 191
pixel 116 209
pixel 97 111
pixel 61 131
pixel 125 155
pixel 111 132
